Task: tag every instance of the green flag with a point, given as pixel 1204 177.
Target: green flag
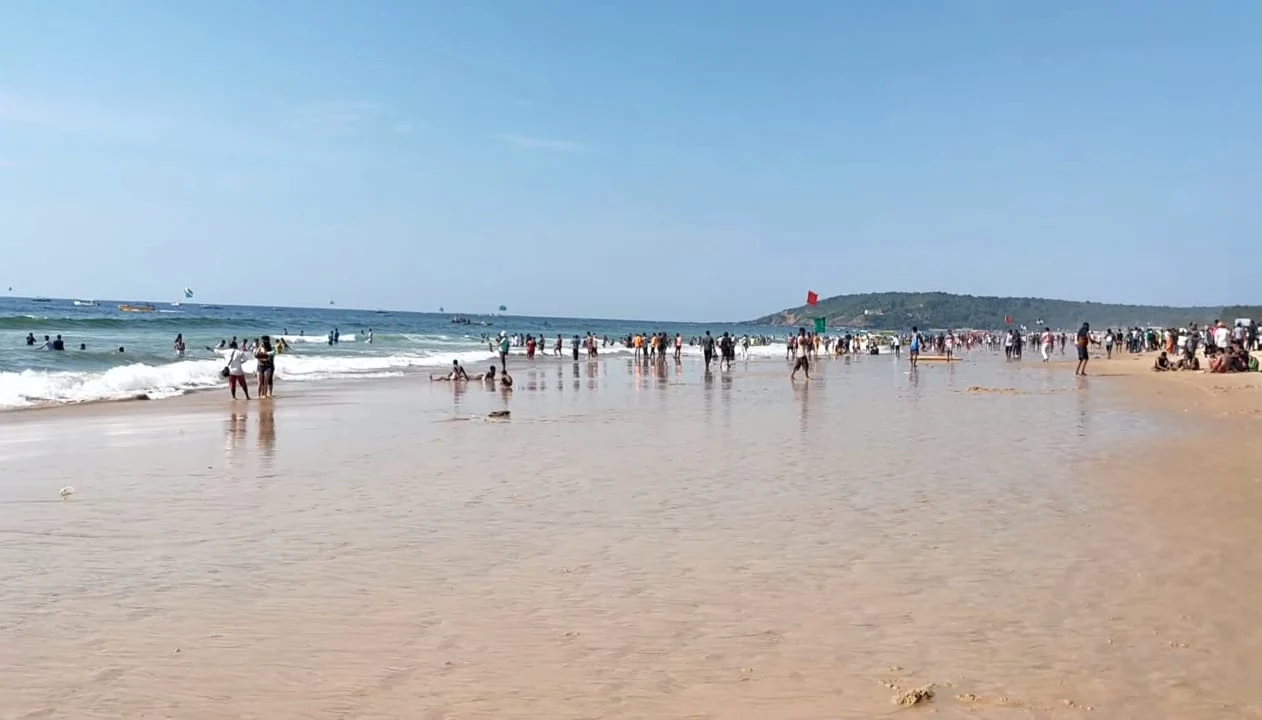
pixel 819 325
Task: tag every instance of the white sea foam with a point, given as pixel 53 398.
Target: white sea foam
pixel 322 339
pixel 33 387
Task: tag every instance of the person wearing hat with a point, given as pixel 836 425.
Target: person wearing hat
pixel 503 351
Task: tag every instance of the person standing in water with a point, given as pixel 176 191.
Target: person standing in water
pixel 179 345
pixel 802 352
pixel 914 351
pixel 265 360
pixel 1083 340
pixel 574 347
pixel 707 349
pixel 236 373
pixel 503 351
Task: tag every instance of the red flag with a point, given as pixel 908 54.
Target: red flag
pixel 811 298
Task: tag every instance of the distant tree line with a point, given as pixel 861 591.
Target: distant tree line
pixel 939 310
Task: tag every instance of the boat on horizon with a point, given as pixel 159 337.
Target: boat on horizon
pixel 136 308
pixel 85 303
pixel 41 299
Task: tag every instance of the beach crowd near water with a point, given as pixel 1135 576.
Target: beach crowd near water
pixel 1214 347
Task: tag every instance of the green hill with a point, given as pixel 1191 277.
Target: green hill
pixel 939 310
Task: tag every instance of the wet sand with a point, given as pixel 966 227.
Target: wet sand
pixel 641 545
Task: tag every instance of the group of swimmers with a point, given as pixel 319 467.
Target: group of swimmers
pixel 55 344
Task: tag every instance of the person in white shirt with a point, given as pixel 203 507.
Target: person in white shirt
pixel 1046 344
pixel 236 371
pixel 1222 336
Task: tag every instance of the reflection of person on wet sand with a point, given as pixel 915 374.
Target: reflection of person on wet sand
pixel 235 428
pixel 457 373
pixel 267 427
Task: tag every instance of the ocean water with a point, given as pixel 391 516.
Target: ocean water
pixel 403 342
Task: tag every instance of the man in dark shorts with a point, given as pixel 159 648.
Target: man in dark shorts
pixel 1083 339
pixel 707 349
pixel 727 351
pixel 802 350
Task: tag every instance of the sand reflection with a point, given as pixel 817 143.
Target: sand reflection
pixel 808 551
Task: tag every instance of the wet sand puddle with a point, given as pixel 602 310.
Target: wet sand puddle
pixel 631 543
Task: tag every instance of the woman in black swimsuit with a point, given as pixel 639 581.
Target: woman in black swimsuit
pixel 266 370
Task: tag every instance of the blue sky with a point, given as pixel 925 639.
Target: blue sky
pixel 682 160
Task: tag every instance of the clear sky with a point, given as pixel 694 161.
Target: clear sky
pixel 696 160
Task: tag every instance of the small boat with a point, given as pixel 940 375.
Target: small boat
pixel 40 299
pixel 461 320
pixel 136 308
pixel 176 304
pixel 85 303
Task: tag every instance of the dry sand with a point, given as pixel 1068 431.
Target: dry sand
pixel 636 543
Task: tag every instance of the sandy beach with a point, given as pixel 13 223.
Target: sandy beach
pixel 639 542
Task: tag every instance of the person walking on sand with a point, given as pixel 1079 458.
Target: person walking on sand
pixel 802 353
pixel 1083 340
pixel 913 352
pixel 236 373
pixel 707 350
pixel 1047 341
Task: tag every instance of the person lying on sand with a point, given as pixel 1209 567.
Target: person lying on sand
pixel 457 373
pixel 488 376
pixel 1163 363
